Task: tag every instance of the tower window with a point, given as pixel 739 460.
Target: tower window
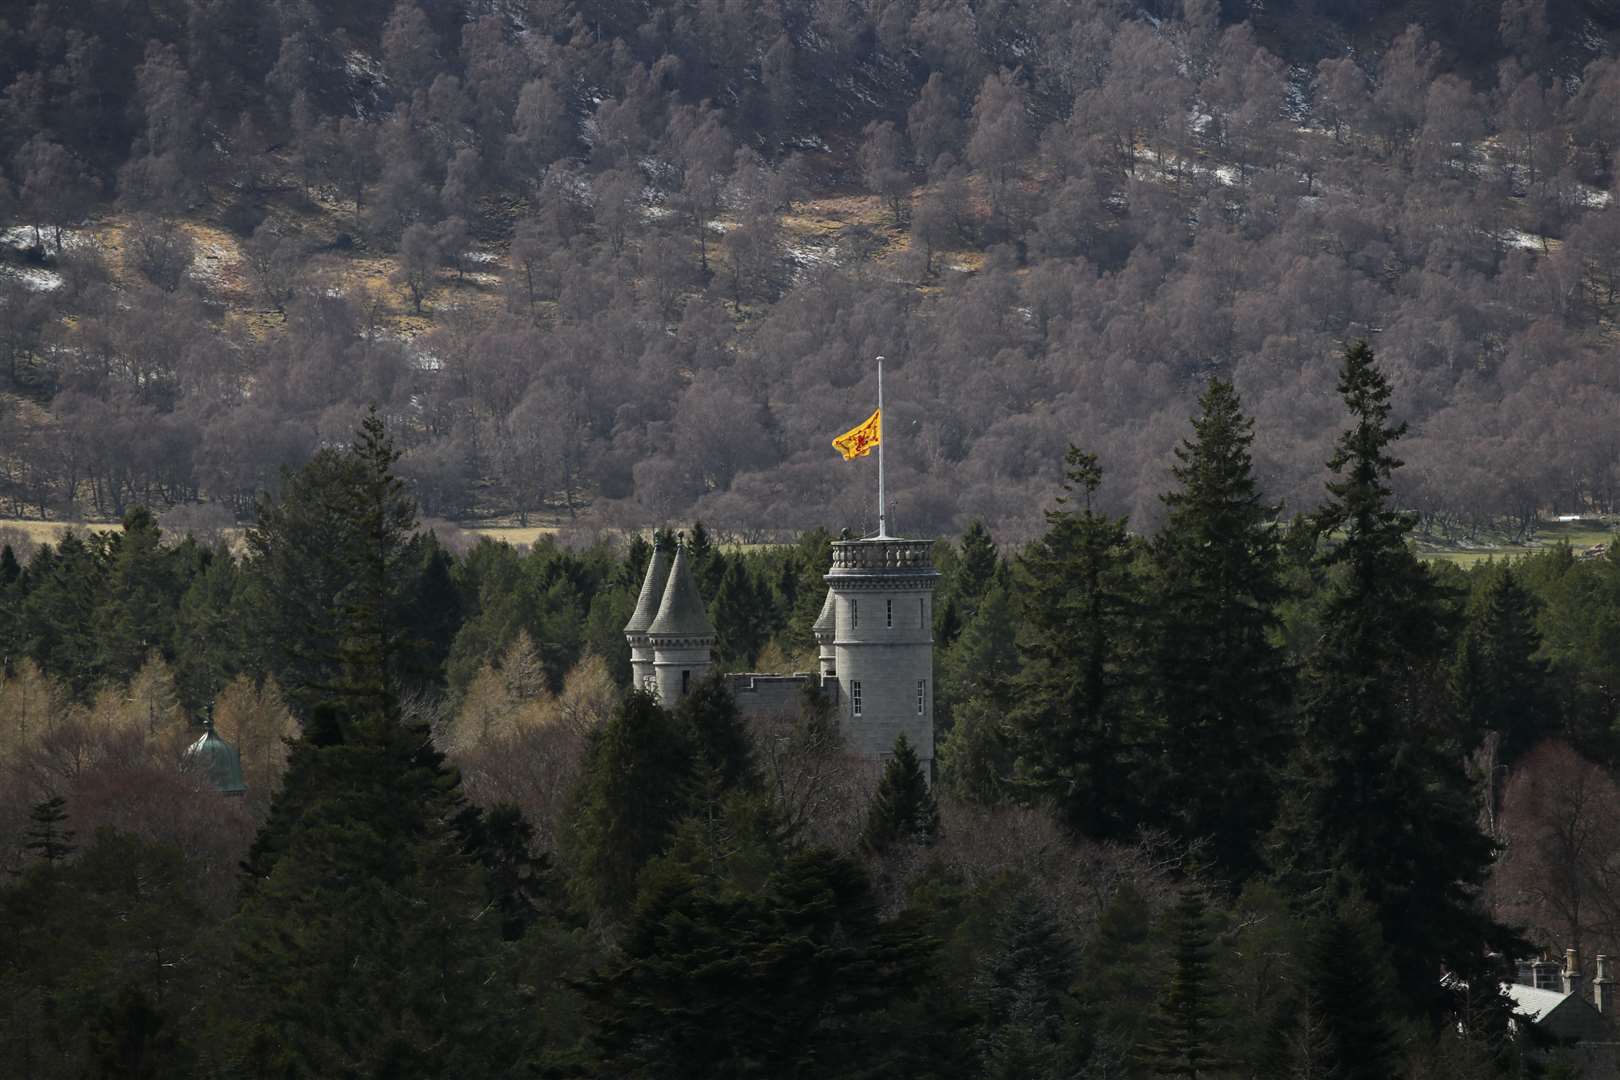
pixel 888 613
pixel 922 695
pixel 686 682
pixel 855 697
pixel 922 613
pixel 854 613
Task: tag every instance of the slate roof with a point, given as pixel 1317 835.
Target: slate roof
pixel 827 621
pixel 681 614
pixel 652 592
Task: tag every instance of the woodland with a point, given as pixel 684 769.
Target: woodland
pixel 466 849
pixel 561 247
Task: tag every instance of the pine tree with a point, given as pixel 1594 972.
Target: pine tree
pixel 739 612
pixel 1219 682
pixel 976 567
pixel 903 809
pixel 46 837
pixel 67 585
pixel 1188 1038
pixel 1071 713
pixel 1373 799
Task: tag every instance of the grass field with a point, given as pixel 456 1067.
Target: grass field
pixel 1582 534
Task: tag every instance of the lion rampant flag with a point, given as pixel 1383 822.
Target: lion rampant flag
pixel 859 440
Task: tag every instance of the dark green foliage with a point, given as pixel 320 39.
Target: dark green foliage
pixel 66 585
pixel 1502 684
pixel 630 796
pixel 903 809
pixel 741 610
pixel 102 959
pixel 335 574
pixel 717 733
pixel 1071 711
pixel 1218 681
pixel 144 582
pixel 1187 1036
pixel 1373 798
pixel 796 979
pixel 365 913
pixel 984 659
pixel 1029 1024
pixel 1350 987
pixel 210 644
pixel 46 838
pixel 976 758
pixel 10 568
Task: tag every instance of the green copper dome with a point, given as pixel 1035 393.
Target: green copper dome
pixel 218 761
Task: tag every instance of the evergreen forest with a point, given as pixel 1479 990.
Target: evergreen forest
pixel 1233 796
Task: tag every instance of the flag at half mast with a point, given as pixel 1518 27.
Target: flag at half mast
pixel 859 440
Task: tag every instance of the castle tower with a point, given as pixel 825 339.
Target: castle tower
pixel 680 635
pixel 635 631
pixel 883 643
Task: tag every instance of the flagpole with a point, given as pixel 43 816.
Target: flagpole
pixel 883 516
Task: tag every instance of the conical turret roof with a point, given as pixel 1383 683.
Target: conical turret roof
pixel 652 592
pixel 827 621
pixel 681 614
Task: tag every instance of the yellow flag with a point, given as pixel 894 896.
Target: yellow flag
pixel 859 440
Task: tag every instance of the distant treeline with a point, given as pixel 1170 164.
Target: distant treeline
pixel 1084 212
pixel 1228 799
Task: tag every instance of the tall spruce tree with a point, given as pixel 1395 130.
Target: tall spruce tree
pixel 1219 684
pixel 1373 798
pixel 1071 714
pixel 1188 1037
pixel 334 570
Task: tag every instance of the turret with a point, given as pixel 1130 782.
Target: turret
pixel 680 635
pixel 217 760
pixel 883 643
pixel 826 631
pixel 635 631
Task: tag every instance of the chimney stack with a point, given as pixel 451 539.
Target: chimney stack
pixel 1572 971
pixel 1602 988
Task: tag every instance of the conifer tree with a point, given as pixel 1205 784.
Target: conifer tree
pixel 976 567
pixel 1187 1036
pixel 1502 683
pixel 1070 714
pixel 143 586
pixel 717 733
pixel 1219 685
pixel 46 837
pixel 59 612
pixel 334 572
pixel 1373 799
pixel 1024 991
pixel 1349 987
pixel 903 809
pixel 365 914
pixel 637 772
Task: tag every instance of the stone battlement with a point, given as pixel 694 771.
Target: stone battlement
pixel 851 557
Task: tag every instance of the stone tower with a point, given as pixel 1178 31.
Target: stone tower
pixel 680 635
pixel 635 631
pixel 883 643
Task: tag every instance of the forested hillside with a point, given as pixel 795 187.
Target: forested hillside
pixel 632 261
